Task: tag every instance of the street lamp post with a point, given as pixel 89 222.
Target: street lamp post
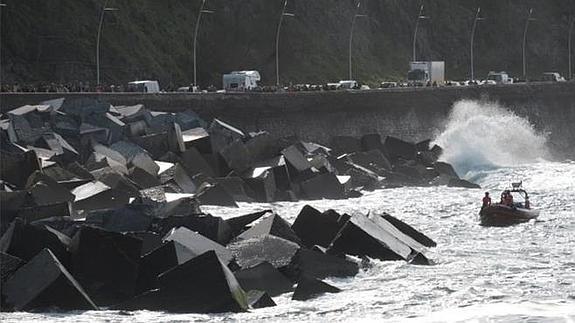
pixel 355 16
pixel 569 47
pixel 196 30
pixel 104 9
pixel 475 21
pixel 1 5
pixel 419 17
pixel 283 14
pixel 525 44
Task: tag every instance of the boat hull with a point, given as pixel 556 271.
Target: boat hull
pixel 503 215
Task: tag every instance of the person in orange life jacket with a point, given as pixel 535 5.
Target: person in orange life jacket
pixel 486 200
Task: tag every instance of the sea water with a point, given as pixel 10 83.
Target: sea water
pixel 523 273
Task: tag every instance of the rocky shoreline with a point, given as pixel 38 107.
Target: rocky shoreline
pixel 101 208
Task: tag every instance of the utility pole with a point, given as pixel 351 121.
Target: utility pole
pixel 570 74
pixel 419 17
pixel 355 16
pixel 1 6
pixel 525 43
pixel 283 14
pixel 475 21
pixel 104 9
pixel 196 30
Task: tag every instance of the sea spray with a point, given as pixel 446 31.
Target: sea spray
pixel 482 135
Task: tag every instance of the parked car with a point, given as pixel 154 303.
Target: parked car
pixel 552 77
pixel 387 85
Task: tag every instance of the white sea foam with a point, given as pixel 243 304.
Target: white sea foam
pixel 483 135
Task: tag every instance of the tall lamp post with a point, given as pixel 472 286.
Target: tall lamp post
pixel 475 21
pixel 420 16
pixel 196 30
pixel 104 9
pixel 529 18
pixel 569 47
pixel 284 14
pixel 355 16
pixel 1 5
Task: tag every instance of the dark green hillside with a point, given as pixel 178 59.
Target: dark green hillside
pixel 54 40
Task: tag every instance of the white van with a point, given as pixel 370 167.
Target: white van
pixel 144 86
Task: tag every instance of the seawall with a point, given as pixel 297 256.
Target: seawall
pixel 412 114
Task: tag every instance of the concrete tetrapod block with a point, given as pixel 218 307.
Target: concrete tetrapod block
pixel 16 168
pixel 150 240
pixel 259 299
pixel 195 163
pixel 25 241
pixel 236 188
pixel 316 228
pixel 197 138
pixel 445 169
pixel 189 120
pixel 201 285
pixel 309 287
pixel 454 182
pixel 298 166
pixel 97 195
pixel 215 195
pixel 397 148
pixel 373 160
pixel 324 186
pixel 240 223
pixel 125 219
pixel 197 243
pixel 211 227
pixel 262 147
pixel 361 236
pixel 44 283
pixel 106 264
pixel 237 156
pixel 264 277
pixel 142 178
pixel 273 225
pixel 423 145
pixel 345 145
pixel 8 265
pixel 410 231
pixel 318 265
pixel 251 252
pixel 46 191
pixel 158 261
pixel 372 142
pixel 262 184
pixel 222 134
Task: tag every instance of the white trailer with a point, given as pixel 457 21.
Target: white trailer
pixel 239 81
pixel 426 73
pixel 144 86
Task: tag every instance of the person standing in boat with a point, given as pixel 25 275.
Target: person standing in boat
pixel 486 200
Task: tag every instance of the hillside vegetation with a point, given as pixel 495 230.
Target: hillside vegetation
pixel 55 40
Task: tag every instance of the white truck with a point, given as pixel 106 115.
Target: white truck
pixel 426 73
pixel 499 78
pixel 241 81
pixel 144 86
